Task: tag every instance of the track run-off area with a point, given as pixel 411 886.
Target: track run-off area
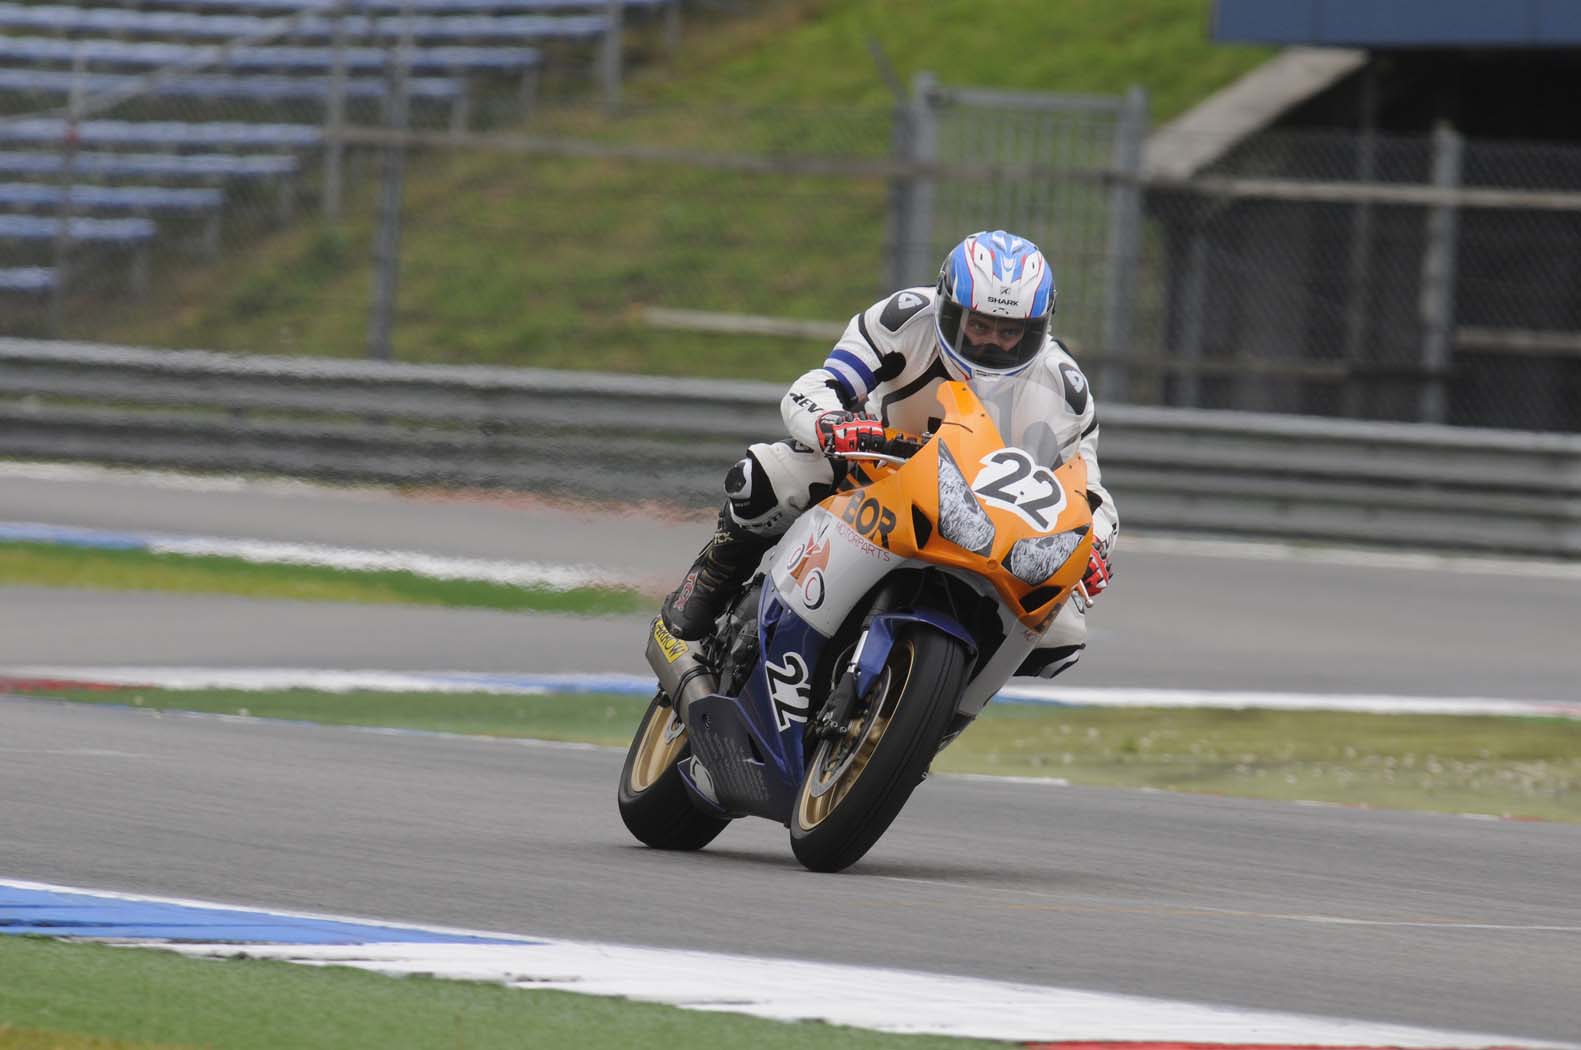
pixel 1054 912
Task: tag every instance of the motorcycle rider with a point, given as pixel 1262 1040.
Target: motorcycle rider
pixel 986 321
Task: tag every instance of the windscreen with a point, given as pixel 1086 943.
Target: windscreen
pixel 1030 411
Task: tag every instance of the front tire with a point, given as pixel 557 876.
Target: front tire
pixel 654 801
pixel 855 785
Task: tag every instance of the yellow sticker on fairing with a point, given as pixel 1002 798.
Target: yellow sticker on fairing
pixel 673 647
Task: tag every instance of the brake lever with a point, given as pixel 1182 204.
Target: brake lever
pixel 877 457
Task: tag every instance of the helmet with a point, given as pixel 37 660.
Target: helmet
pixel 995 276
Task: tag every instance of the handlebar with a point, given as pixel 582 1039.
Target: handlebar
pixel 897 449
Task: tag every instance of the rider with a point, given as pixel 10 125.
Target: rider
pixel 987 320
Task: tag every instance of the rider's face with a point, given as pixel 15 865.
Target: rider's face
pixel 1000 332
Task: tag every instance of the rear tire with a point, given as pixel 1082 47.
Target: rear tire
pixel 654 800
pixel 856 785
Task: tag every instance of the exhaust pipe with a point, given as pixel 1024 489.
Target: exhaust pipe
pixel 679 667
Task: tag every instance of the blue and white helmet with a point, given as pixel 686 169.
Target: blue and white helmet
pixel 999 275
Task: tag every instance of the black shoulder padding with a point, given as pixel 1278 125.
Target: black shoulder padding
pixel 1075 388
pixel 900 309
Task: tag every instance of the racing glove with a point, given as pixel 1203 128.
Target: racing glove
pixel 850 432
pixel 1100 570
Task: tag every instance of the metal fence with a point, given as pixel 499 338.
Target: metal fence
pixel 1385 277
pixel 630 438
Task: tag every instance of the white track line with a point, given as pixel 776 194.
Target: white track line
pixel 792 990
pixel 351 559
pixel 1017 691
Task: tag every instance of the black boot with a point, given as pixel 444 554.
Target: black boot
pixel 719 571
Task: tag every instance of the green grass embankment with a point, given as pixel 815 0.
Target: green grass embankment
pixel 507 259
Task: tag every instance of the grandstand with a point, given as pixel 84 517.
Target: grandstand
pixel 173 110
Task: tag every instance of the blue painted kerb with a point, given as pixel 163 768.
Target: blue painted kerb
pixel 53 913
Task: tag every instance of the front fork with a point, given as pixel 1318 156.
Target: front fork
pixel 870 655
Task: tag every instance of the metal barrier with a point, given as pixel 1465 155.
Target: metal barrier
pixel 670 440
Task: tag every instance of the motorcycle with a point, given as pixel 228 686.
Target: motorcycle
pixel 871 635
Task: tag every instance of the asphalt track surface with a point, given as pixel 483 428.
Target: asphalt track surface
pixel 1433 920
pixel 1172 620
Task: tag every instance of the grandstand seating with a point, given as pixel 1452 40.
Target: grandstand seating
pixel 21 227
pixel 127 234
pixel 111 198
pixel 203 166
pixel 26 279
pixel 252 56
pixel 183 25
pixel 199 203
pixel 417 6
pixel 154 55
pixel 261 88
pixel 450 91
pixel 165 133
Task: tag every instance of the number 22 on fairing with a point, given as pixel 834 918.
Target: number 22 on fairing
pixel 1012 480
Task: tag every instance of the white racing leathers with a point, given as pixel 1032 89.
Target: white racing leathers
pixel 888 363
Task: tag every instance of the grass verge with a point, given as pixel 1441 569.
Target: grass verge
pixel 1518 767
pixel 91 997
pixel 51 565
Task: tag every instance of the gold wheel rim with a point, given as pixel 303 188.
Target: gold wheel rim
pixel 833 773
pixel 663 740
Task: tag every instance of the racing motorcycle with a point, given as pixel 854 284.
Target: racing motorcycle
pixel 870 636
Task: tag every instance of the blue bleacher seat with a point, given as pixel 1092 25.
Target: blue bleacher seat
pixel 44 50
pixel 184 25
pixel 153 165
pixel 263 88
pixel 44 228
pixel 26 279
pixel 418 6
pixel 170 134
pixel 111 198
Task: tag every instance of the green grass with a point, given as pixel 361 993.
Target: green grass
pixel 51 565
pixel 594 718
pixel 549 262
pixel 1523 767
pixel 102 998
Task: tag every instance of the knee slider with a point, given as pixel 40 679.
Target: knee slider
pixel 749 490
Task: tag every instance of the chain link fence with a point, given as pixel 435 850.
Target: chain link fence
pixel 1381 277
pixel 388 204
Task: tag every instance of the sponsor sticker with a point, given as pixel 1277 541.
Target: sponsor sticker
pixel 672 646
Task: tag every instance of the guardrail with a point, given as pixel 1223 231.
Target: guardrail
pixel 670 440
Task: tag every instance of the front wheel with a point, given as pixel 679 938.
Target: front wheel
pixel 654 801
pixel 856 784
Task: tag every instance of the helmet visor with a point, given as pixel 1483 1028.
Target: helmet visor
pixel 999 344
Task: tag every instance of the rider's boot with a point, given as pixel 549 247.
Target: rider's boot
pixel 719 571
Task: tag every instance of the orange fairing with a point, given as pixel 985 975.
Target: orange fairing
pixel 1024 501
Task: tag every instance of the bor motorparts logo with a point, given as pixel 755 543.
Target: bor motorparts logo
pixel 869 517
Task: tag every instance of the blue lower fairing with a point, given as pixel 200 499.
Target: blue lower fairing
pixel 752 745
pixel 779 690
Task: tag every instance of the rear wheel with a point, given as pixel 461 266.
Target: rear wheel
pixel 654 801
pixel 856 784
